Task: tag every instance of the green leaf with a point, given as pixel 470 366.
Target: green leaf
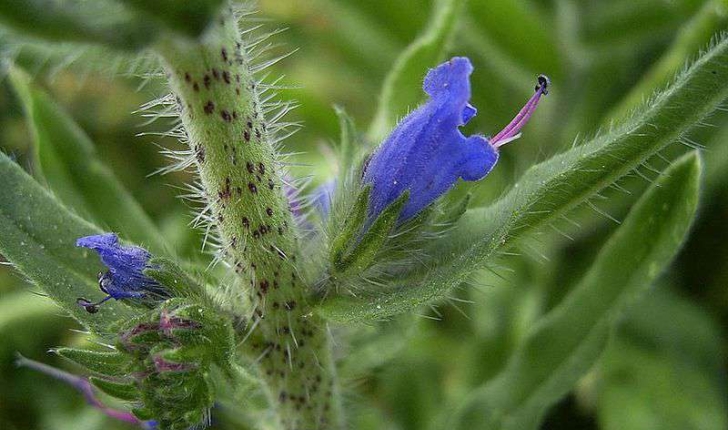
pixel 38 236
pixel 69 163
pixel 349 145
pixel 567 342
pixel 187 17
pixel 374 347
pixel 88 22
pixel 693 35
pixel 402 88
pixel 667 346
pixel 104 363
pixel 647 389
pixel 550 190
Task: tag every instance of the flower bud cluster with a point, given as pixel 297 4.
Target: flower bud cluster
pixel 164 363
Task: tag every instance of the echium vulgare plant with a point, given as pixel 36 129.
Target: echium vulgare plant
pixel 254 337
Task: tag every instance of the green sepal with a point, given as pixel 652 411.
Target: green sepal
pixel 142 413
pixel 364 253
pixel 214 335
pixel 121 390
pixel 194 416
pixel 173 348
pixel 348 140
pixel 408 236
pixel 138 335
pixel 193 355
pixel 352 225
pixel 176 400
pixel 103 363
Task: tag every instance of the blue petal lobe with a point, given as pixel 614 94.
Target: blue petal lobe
pixel 426 153
pixel 126 264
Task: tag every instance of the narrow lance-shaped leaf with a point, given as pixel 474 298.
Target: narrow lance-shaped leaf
pixel 552 189
pixel 69 163
pixel 567 342
pixel 695 33
pixel 666 345
pixel 401 90
pixel 348 146
pixel 86 22
pixel 190 18
pixel 38 236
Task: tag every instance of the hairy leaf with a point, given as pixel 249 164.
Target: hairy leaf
pixel 38 236
pixel 552 189
pixel 69 163
pixel 187 17
pixel 88 22
pixel 561 347
pixel 694 34
pixel 402 87
pixel 666 345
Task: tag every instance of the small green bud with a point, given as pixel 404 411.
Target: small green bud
pixel 164 362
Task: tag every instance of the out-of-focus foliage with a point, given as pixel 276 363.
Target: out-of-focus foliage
pixel 665 365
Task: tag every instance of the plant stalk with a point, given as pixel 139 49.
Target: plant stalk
pixel 219 100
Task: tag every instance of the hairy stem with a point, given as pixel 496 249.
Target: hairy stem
pixel 220 106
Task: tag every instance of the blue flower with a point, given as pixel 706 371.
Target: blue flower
pixel 125 278
pixel 426 153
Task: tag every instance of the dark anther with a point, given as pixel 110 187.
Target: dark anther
pixel 91 308
pixel 543 84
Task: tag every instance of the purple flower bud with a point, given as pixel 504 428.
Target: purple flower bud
pixel 426 153
pixel 125 278
pixel 322 197
pixel 169 323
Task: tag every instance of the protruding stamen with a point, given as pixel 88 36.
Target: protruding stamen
pixel 510 132
pixel 91 307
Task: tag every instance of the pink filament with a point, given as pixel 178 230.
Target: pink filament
pixel 512 129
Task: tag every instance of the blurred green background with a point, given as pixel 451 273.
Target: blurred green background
pixel 666 366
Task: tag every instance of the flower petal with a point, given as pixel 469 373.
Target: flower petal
pixel 125 278
pixel 426 153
